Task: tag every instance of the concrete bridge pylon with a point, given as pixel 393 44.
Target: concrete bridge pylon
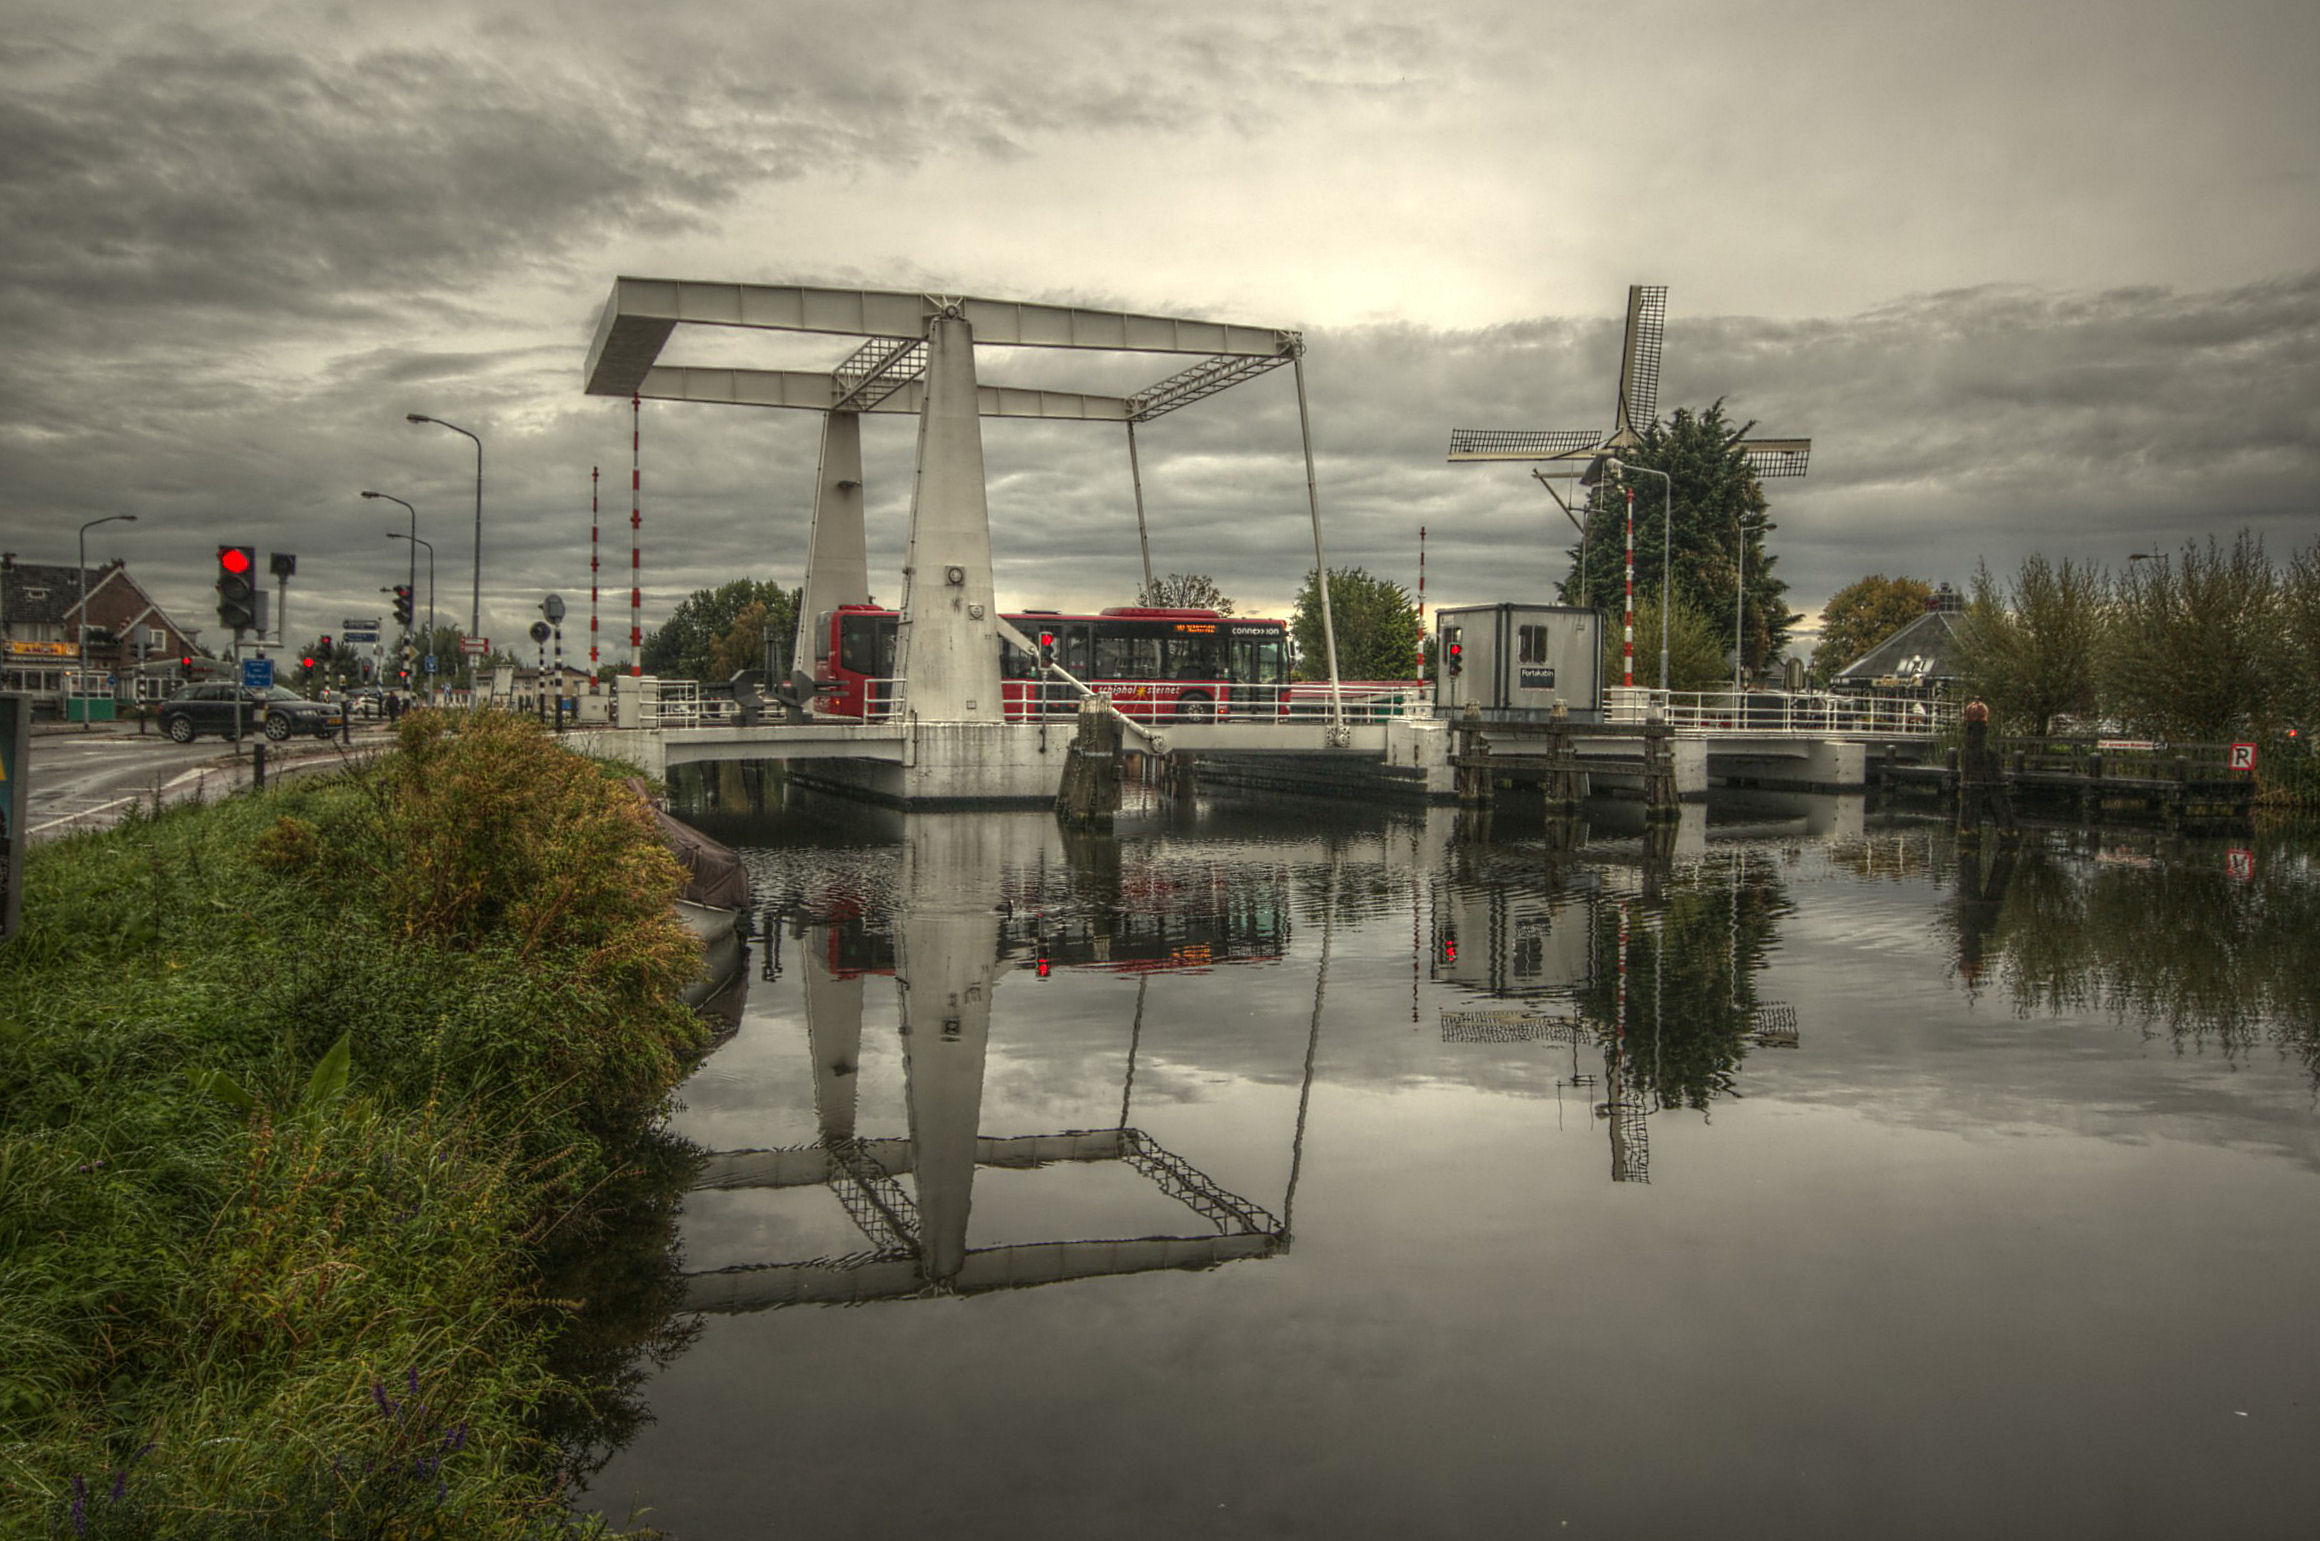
pixel 837 554
pixel 947 642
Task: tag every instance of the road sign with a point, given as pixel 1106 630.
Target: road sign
pixel 360 623
pixel 358 637
pixel 539 631
pixel 257 673
pixel 2243 757
pixel 553 608
pixel 475 644
pixel 2240 863
pixel 430 663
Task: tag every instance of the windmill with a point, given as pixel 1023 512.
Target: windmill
pixel 1564 453
pixel 1561 454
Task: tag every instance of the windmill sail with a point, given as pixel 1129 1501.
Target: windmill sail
pixel 1639 362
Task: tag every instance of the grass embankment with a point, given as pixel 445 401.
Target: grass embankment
pixel 301 1097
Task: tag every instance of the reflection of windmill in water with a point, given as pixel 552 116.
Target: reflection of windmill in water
pixel 1531 945
pixel 1594 990
pixel 1567 453
pixel 915 1234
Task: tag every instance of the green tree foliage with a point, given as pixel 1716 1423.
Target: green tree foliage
pixel 685 646
pixel 2300 637
pixel 1862 614
pixel 1698 652
pixel 2199 646
pixel 1377 628
pixel 1713 504
pixel 742 645
pixel 1185 591
pixel 2032 650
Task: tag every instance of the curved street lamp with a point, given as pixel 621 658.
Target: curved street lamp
pixel 475 594
pixel 413 536
pixel 430 545
pixel 1740 598
pixel 81 657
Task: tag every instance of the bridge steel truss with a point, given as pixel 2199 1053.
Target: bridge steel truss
pixel 918 357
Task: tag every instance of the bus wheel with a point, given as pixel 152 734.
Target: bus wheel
pixel 1192 706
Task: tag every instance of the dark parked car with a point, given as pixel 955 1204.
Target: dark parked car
pixel 277 712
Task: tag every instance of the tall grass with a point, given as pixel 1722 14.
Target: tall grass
pixel 239 1298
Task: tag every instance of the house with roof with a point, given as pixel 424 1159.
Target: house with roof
pixel 136 648
pixel 1915 660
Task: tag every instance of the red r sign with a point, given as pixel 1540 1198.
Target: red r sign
pixel 2243 757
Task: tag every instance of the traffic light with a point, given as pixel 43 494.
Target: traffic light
pixel 1457 652
pixel 1046 650
pixel 324 647
pixel 306 667
pixel 402 604
pixel 237 587
pixel 185 664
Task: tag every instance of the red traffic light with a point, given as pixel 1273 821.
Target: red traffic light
pixel 234 559
pixel 308 660
pixel 1047 639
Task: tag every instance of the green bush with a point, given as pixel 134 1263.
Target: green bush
pixel 298 1095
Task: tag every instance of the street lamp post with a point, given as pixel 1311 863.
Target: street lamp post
pixel 81 659
pixel 430 545
pixel 475 593
pixel 1740 600
pixel 413 537
pixel 1667 558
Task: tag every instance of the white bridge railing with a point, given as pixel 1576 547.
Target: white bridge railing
pixel 1780 713
pixel 1160 703
pixel 677 703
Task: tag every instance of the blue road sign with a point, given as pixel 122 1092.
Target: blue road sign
pixel 257 673
pixel 430 663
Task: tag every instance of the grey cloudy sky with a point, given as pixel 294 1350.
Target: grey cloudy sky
pixel 2031 277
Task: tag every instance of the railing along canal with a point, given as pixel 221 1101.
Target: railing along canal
pixel 1781 714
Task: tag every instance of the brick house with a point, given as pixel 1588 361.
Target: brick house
pixel 135 646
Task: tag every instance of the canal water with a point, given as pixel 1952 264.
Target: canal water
pixel 1300 1171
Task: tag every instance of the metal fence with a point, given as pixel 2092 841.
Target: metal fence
pixel 1782 714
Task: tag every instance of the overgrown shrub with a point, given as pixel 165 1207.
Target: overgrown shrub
pixel 244 1295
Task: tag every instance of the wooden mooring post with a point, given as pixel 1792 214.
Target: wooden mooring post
pixel 1090 793
pixel 1660 802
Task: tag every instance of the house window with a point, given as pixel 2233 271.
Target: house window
pixel 1532 641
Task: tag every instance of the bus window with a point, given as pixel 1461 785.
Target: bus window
pixel 1192 658
pixel 1073 651
pixel 1127 658
pixel 1014 663
pixel 1260 661
pixel 866 645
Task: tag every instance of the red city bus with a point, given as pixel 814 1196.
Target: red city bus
pixel 1154 665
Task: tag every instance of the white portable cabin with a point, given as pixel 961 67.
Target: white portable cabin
pixel 1514 662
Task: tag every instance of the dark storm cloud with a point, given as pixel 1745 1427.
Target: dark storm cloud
pixel 236 259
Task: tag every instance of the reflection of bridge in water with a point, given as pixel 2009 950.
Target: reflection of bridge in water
pixel 910 1196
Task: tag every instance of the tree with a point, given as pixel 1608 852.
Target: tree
pixel 1862 614
pixel 1714 509
pixel 2300 636
pixel 1698 650
pixel 2199 648
pixel 1185 591
pixel 1377 628
pixel 685 645
pixel 2032 651
pixel 742 645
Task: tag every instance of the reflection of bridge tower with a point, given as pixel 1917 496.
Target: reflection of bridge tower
pixel 916 1237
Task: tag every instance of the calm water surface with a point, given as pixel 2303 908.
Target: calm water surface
pixel 1296 1172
